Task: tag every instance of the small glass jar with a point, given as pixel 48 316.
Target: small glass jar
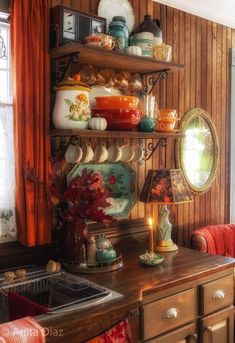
pixel 91 250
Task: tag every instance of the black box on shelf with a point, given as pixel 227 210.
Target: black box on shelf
pixel 70 25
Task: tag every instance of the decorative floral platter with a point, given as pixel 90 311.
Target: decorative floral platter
pixel 120 178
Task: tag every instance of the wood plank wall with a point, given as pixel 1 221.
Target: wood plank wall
pixel 203 47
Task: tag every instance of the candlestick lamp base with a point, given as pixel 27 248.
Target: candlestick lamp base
pixel 166 246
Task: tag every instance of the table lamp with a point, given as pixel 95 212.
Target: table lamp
pixel 165 186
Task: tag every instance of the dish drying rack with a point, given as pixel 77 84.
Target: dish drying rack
pixel 58 292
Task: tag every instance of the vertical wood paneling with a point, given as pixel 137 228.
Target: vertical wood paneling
pixel 202 46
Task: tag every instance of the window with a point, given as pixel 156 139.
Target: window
pixel 7 178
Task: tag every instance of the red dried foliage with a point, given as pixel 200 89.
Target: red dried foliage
pixel 84 197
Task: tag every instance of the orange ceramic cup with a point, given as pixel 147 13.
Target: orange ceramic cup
pixel 167 124
pixel 101 41
pixel 167 113
pixel 118 102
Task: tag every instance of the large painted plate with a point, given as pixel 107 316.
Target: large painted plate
pixel 120 178
pixel 110 8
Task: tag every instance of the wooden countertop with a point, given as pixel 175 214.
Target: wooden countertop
pixel 134 281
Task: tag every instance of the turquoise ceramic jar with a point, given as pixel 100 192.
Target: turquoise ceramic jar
pixel 146 124
pixel 119 30
pixel 104 255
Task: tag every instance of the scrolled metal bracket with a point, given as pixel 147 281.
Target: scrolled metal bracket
pixel 148 152
pixel 61 66
pixel 154 79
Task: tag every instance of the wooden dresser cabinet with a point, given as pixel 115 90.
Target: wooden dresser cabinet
pixel 188 298
pixel 199 311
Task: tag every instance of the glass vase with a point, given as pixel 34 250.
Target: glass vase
pixel 73 240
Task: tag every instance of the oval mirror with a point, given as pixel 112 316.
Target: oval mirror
pixel 197 151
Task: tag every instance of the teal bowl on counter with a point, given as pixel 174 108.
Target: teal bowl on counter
pixel 105 255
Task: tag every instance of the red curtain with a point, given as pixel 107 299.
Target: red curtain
pixel 31 80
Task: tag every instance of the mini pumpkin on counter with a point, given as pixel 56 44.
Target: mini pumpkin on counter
pixel 97 124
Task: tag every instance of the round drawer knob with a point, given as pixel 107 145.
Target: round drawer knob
pixel 171 313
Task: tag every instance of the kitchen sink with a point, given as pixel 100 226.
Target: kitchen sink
pixel 58 292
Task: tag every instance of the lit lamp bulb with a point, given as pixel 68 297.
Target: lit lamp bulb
pixel 151 251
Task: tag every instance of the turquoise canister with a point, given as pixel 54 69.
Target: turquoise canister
pixel 125 28
pixel 147 124
pixel 104 255
pixel 119 30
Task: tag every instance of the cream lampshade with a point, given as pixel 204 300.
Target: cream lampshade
pixel 165 186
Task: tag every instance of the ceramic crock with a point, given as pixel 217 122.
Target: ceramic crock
pixel 72 109
pixel 104 255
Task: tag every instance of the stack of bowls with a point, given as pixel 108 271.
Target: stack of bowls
pixel 120 112
pixel 167 119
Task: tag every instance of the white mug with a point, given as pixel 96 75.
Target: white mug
pixel 114 153
pixel 138 153
pixel 88 153
pixel 101 153
pixel 127 153
pixel 73 153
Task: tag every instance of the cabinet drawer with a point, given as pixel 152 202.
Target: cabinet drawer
pixel 168 313
pixel 186 334
pixel 216 295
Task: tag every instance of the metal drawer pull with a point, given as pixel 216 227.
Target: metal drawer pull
pixel 220 294
pixel 193 336
pixel 171 313
pixel 209 329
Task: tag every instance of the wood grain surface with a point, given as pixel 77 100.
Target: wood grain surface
pixel 202 46
pixel 178 272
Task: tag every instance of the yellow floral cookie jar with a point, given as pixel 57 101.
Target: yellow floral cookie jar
pixel 72 109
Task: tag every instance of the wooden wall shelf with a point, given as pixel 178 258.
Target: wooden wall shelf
pixel 113 134
pixel 112 59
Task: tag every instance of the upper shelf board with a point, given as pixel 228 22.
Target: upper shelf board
pixel 114 134
pixel 112 59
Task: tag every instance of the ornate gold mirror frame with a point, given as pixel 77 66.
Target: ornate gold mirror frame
pixel 191 117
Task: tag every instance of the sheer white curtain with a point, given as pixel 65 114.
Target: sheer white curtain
pixel 7 179
pixel 7 164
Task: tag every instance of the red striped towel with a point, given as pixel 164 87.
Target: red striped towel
pixel 25 330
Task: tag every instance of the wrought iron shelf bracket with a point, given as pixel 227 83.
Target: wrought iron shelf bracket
pixel 151 148
pixel 61 66
pixel 153 80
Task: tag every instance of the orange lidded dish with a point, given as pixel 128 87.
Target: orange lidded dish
pixel 118 102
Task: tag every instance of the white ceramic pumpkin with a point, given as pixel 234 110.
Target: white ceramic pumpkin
pixel 134 50
pixel 97 124
pixel 71 110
